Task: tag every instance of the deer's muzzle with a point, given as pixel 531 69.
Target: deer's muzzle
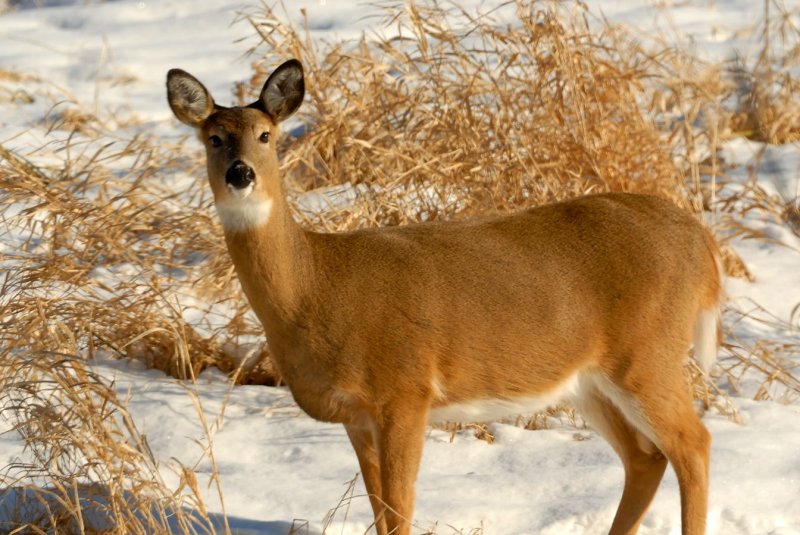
pixel 240 175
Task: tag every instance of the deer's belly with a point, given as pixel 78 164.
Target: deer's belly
pixel 489 409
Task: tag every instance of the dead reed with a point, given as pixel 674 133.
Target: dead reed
pixel 767 93
pixel 492 117
pixel 90 266
pixel 88 469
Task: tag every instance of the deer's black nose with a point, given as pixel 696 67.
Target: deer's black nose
pixel 240 175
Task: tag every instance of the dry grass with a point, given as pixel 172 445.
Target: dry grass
pixel 89 469
pixel 493 118
pixel 90 260
pixel 97 255
pixel 110 253
pixel 768 94
pixel 340 512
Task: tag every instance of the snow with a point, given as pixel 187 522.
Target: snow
pixel 278 465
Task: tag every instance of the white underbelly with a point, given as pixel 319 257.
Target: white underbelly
pixel 490 409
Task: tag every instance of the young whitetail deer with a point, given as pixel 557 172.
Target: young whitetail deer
pixel 594 300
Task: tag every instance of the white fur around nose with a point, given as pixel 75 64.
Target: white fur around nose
pixel 243 211
pixel 240 193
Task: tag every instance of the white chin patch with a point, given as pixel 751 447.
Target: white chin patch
pixel 243 211
pixel 240 193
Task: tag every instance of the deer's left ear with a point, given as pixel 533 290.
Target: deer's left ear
pixel 189 99
pixel 283 91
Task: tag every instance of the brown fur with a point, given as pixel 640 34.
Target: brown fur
pixel 374 328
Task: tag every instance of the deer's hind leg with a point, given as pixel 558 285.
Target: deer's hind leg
pixel 680 434
pixel 654 399
pixel 644 464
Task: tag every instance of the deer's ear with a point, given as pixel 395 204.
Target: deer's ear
pixel 283 91
pixel 189 99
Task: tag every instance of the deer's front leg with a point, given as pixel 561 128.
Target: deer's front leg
pixel 401 435
pixel 363 440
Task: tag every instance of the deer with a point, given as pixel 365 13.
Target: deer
pixel 595 300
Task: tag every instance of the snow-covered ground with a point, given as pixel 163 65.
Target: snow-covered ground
pixel 278 465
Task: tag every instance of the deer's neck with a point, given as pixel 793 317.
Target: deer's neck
pixel 273 260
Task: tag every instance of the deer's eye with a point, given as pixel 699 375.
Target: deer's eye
pixel 215 141
pixel 264 137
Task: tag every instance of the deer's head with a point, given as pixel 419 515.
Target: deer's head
pixel 240 141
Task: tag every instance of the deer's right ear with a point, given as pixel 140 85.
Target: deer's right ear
pixel 189 99
pixel 283 91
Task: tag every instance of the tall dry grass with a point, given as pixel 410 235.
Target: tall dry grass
pixel 93 247
pixel 109 253
pixel 766 90
pixel 87 468
pixel 493 116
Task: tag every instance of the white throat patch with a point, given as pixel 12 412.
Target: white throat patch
pixel 242 211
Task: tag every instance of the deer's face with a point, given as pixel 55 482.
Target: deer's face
pixel 242 160
pixel 241 156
